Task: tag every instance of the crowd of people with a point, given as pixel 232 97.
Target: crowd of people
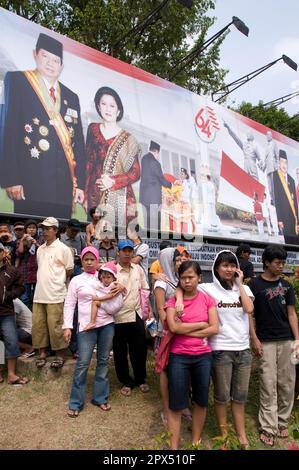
pixel 60 289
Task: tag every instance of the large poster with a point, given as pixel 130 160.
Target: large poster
pixel 80 129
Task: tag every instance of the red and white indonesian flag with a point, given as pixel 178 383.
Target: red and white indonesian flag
pixel 236 187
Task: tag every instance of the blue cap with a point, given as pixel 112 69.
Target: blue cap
pixel 122 244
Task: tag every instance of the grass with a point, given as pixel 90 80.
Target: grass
pixel 34 417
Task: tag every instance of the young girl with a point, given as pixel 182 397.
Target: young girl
pixel 190 359
pixel 231 350
pixel 107 277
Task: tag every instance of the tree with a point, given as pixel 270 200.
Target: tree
pixel 275 118
pixel 157 48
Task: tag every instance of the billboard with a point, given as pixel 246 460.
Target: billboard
pixel 80 129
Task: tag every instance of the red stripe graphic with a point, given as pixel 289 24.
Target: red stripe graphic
pixel 238 178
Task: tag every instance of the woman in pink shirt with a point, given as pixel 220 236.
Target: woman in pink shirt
pixel 82 289
pixel 190 357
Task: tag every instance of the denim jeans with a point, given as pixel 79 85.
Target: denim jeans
pixel 102 338
pixel 27 296
pixel 8 334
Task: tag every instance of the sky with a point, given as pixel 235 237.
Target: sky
pixel 273 31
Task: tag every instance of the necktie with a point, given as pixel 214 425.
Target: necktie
pixel 52 94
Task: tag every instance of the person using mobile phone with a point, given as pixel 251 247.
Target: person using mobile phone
pixel 231 349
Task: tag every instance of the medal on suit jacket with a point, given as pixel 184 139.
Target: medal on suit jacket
pixel 53 110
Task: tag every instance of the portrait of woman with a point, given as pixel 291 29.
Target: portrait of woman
pixel 112 161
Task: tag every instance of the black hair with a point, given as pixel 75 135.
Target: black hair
pixel 19 222
pixel 6 223
pixel 105 90
pixel 92 211
pixel 176 254
pixel 189 264
pixel 243 248
pixel 272 252
pixel 186 172
pixel 164 244
pixel 30 222
pixel 224 257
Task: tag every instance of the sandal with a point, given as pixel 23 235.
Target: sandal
pixel 267 438
pixel 283 432
pixel 19 381
pixel 103 406
pixel 126 391
pixel 57 363
pixel 187 415
pixel 144 388
pixel 40 362
pixel 28 354
pixel 73 413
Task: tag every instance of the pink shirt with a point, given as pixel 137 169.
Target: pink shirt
pixel 81 289
pixel 195 310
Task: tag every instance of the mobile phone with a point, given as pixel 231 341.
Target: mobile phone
pixel 236 274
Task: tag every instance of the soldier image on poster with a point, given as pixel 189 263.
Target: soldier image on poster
pixel 41 137
pixel 270 163
pixel 286 200
pixel 250 151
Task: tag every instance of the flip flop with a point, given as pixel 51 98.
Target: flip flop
pixel 283 433
pixel 19 381
pixel 40 362
pixel 73 413
pixel 144 388
pixel 267 438
pixel 103 406
pixel 126 391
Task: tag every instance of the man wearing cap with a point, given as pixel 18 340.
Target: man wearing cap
pixel 286 200
pixel 129 326
pixel 55 266
pixel 11 287
pixel 150 190
pixel 42 144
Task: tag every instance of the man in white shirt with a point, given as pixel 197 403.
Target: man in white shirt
pixel 55 265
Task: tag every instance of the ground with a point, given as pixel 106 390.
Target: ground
pixel 35 418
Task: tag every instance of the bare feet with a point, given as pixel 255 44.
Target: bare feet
pixel 90 326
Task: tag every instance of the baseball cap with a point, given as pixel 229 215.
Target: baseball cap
pixel 110 267
pixel 1 247
pixel 50 222
pixel 74 224
pixel 122 244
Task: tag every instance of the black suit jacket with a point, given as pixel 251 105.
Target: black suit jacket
pixel 152 180
pixel 25 160
pixel 283 208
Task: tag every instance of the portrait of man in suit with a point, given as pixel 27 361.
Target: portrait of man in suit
pixel 150 190
pixel 286 200
pixel 42 152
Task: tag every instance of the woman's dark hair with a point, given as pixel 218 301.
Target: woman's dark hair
pixel 271 253
pixel 105 90
pixel 186 172
pixel 176 254
pixel 225 257
pixel 92 211
pixel 187 265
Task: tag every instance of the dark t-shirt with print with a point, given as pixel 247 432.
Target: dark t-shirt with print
pixel 270 308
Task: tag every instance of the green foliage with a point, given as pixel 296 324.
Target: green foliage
pixel 294 280
pixel 158 48
pixel 228 442
pixel 275 118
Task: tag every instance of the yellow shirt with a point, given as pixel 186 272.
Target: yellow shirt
pixel 133 279
pixel 156 267
pixel 53 261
